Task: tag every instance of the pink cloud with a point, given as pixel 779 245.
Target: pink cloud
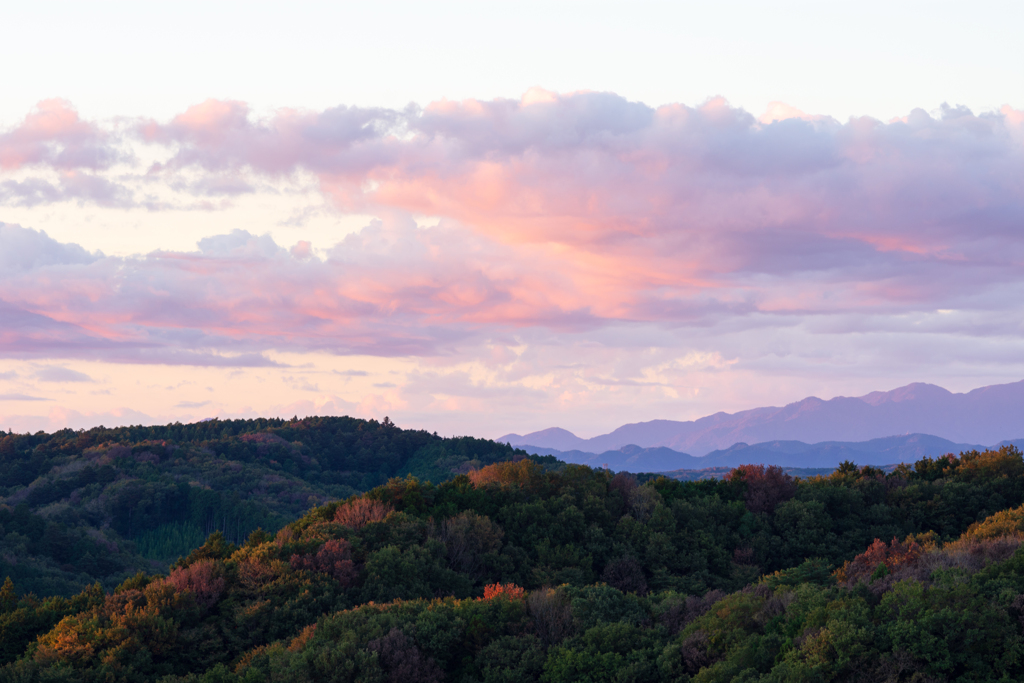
pixel 560 212
pixel 682 188
pixel 224 135
pixel 681 197
pixel 395 289
pixel 54 135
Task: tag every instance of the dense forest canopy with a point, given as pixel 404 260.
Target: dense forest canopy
pixel 102 504
pixel 516 572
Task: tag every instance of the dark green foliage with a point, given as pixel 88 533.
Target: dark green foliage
pixel 102 504
pixel 712 580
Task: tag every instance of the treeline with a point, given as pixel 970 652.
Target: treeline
pixel 516 573
pixel 102 504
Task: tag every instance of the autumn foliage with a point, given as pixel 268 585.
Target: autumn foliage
pixel 509 590
pixel 890 556
pixel 362 511
pixel 1003 523
pixel 518 573
pixel 334 558
pixel 202 579
pixel 767 487
pixel 524 472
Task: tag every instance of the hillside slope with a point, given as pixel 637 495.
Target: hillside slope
pixel 517 573
pixel 77 507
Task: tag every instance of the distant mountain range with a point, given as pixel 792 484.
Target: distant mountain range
pixel 984 416
pixel 889 450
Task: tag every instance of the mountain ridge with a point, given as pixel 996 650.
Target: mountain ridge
pixel 885 451
pixel 984 415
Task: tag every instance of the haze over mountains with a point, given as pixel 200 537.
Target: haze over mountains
pixel 890 450
pixel 985 416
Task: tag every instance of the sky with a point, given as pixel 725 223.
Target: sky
pixel 482 218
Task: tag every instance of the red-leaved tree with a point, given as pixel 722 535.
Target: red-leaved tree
pixel 334 558
pixel 878 553
pixel 362 511
pixel 202 579
pixel 509 590
pixel 767 487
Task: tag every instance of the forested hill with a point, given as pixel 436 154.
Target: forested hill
pixel 81 506
pixel 517 573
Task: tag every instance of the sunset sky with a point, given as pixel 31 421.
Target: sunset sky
pixel 479 218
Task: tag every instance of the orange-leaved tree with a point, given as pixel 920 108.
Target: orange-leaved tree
pixel 509 590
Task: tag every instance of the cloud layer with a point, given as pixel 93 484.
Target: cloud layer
pixel 559 221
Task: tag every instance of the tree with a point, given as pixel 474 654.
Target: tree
pixel 203 579
pixel 626 574
pixel 402 661
pixel 766 486
pixel 8 598
pixel 468 537
pixel 334 558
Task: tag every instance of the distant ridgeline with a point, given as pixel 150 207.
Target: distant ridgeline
pixel 798 458
pixel 518 572
pixel 82 506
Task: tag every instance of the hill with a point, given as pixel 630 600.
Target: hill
pixel 103 504
pixel 515 573
pixel 983 416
